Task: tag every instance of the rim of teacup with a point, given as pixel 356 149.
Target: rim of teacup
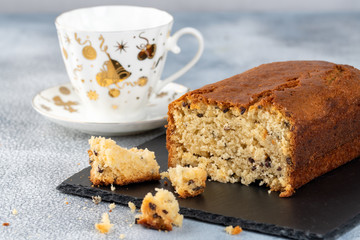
pixel 59 25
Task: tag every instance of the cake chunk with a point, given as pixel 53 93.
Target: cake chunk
pixel 160 211
pixel 187 181
pixel 104 226
pixel 233 230
pixel 281 124
pixel 112 164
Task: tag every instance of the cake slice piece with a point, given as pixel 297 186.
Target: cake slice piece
pixel 160 211
pixel 112 164
pixel 280 124
pixel 187 181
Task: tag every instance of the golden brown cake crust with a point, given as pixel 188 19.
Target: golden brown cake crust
pixel 321 99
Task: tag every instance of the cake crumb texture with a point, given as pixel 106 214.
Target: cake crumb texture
pixel 112 164
pixel 160 211
pixel 104 226
pixel 187 181
pixel 132 206
pixel 233 230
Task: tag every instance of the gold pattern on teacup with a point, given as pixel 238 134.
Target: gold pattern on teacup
pixel 115 106
pixel 142 81
pixel 88 51
pixel 114 92
pixel 65 53
pixel 67 105
pixel 92 95
pixel 67 39
pixel 112 72
pixel 78 68
pixel 64 90
pixel 146 50
pixel 156 63
pixel 121 46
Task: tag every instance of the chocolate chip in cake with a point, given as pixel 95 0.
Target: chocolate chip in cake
pixel 155 215
pixel 279 168
pixel 164 211
pixel 190 181
pixel 288 160
pixel 197 188
pixel 268 162
pixel 136 220
pixel 287 124
pixel 200 115
pixel 251 160
pixel 242 110
pixel 152 206
pixel 253 168
pixel 184 104
pixel 260 107
pixel 95 152
pixel 100 170
pixel 225 110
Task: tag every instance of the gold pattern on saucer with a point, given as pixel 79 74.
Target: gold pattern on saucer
pixel 146 50
pixel 67 105
pixel 114 92
pixel 65 53
pixel 115 106
pixel 88 51
pixel 64 90
pixel 92 95
pixel 161 94
pixel 142 81
pixel 82 80
pixel 45 107
pixel 112 72
pixel 78 68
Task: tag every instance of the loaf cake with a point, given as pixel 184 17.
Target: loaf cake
pixel 187 181
pixel 280 124
pixel 112 164
pixel 160 211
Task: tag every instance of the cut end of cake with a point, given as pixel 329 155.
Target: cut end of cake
pixel 233 144
pixel 187 181
pixel 160 211
pixel 112 164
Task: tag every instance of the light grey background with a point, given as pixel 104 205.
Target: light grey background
pixel 24 6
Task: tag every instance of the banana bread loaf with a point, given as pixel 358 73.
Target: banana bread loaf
pixel 282 124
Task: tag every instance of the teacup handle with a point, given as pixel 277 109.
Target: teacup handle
pixel 171 45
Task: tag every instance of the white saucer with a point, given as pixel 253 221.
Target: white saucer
pixel 68 111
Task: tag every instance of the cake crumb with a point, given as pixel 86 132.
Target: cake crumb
pixel 6 224
pixel 122 236
pixel 233 230
pixel 66 203
pixel 132 206
pixel 112 188
pixel 104 226
pixel 14 212
pixel 112 206
pixel 96 199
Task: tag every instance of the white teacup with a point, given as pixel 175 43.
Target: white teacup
pixel 114 56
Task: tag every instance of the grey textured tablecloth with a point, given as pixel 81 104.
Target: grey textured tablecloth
pixel 36 155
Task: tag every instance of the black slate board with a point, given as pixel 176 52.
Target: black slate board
pixel 324 208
